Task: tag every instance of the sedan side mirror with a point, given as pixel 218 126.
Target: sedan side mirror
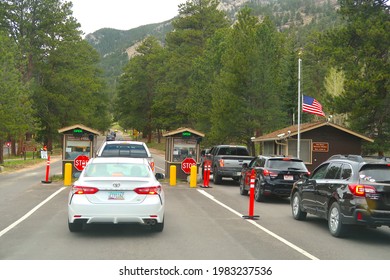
pixel 160 176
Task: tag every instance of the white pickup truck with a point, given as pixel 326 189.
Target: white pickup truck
pixel 226 161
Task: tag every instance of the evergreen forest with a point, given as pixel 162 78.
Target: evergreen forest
pixel 230 74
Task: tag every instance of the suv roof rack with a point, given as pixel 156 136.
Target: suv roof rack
pixel 360 158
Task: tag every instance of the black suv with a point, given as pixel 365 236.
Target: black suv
pixel 275 176
pixel 346 190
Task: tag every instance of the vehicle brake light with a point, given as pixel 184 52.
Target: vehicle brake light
pixel 221 163
pixel 152 165
pixel 148 190
pixel 84 190
pixel 361 190
pixel 269 173
pixel 307 174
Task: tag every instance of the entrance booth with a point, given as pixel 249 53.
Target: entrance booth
pixel 79 144
pixel 182 149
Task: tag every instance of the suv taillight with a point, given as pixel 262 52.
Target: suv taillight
pixel 84 190
pixel 361 190
pixel 269 173
pixel 305 175
pixel 148 190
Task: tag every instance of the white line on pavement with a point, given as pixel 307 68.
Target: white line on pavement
pixel 281 239
pixel 28 214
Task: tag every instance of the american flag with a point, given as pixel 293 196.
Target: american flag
pixel 312 106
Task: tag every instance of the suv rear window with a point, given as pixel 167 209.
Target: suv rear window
pixel 375 173
pixel 124 150
pixel 286 164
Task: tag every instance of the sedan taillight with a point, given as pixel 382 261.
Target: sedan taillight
pixel 361 190
pixel 148 190
pixel 84 190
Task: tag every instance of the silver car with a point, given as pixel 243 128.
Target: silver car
pixel 117 190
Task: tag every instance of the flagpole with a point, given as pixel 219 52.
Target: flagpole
pixel 299 109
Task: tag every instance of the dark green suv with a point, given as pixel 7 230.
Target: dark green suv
pixel 346 190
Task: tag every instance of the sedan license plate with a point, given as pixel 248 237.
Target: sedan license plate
pixel 288 177
pixel 116 195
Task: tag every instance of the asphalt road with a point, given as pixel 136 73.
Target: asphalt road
pixel 205 224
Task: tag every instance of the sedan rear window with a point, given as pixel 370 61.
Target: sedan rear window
pixel 116 170
pixel 136 151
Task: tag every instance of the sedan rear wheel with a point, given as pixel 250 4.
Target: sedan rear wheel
pixel 297 212
pixel 336 227
pixel 158 227
pixel 75 227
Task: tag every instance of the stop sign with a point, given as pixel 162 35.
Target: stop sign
pixel 186 165
pixel 80 162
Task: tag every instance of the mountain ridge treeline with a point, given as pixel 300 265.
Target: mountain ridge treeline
pixel 240 80
pixel 303 14
pixel 230 73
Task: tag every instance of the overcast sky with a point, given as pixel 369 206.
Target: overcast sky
pixel 122 14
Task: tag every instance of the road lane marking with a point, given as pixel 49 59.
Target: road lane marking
pixel 28 214
pixel 281 239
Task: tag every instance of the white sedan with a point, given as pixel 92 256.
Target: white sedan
pixel 117 190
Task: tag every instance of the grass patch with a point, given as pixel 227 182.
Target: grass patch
pixel 17 164
pixel 58 178
pixel 157 146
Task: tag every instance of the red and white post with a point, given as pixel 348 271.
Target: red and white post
pixel 47 171
pixel 206 174
pixel 252 197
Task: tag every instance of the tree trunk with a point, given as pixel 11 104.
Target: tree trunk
pixel 1 152
pixel 158 136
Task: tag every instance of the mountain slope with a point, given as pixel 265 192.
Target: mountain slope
pixel 116 46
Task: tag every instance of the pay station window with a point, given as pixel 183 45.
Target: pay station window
pixel 183 148
pixel 75 148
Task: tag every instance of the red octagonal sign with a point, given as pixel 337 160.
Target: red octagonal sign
pixel 186 165
pixel 80 162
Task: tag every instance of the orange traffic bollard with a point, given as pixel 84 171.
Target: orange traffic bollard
pixel 252 197
pixel 47 171
pixel 206 174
